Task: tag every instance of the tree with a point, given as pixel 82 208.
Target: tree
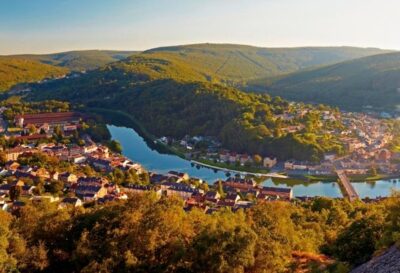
pixel 115 146
pixel 58 132
pixel 373 171
pixel 220 188
pixel 118 176
pixel 357 243
pixel 144 178
pixel 38 253
pixel 257 159
pixel 6 262
pixel 276 236
pixel 32 129
pixel 225 244
pixel 15 193
pixel 3 158
pixel 55 186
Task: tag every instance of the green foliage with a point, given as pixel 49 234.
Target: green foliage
pixel 115 146
pixel 242 122
pixel 236 64
pixel 16 106
pixel 357 243
pixel 80 60
pixel 6 261
pixel 15 70
pixel 147 234
pixel 369 81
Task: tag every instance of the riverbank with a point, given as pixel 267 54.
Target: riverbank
pixel 135 148
pixel 353 178
pixel 239 172
pixel 127 120
pixel 121 118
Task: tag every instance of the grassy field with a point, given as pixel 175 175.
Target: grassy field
pixel 353 178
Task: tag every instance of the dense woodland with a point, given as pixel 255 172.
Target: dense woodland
pixel 167 96
pixel 236 64
pixel 173 104
pixel 146 234
pixel 18 70
pixel 80 60
pixel 363 76
pixel 369 82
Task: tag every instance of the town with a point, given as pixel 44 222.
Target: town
pixel 52 156
pixel 51 161
pixel 364 138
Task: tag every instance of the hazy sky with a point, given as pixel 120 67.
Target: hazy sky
pixel 38 26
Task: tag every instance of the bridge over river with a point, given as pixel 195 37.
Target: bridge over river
pixel 348 188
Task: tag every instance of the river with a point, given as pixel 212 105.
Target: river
pixel 136 148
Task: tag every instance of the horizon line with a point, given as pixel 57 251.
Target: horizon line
pixel 193 44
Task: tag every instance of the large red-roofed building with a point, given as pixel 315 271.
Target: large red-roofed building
pixel 53 119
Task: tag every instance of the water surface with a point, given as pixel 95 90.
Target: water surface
pixel 137 149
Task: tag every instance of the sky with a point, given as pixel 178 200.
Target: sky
pixel 44 26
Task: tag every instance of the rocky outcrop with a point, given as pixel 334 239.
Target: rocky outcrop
pixel 388 262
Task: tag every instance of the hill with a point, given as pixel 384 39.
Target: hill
pixel 80 60
pixel 166 99
pixel 218 63
pixel 239 63
pixel 17 70
pixel 372 81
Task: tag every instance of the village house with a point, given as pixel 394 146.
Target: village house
pixel 51 119
pixel 158 178
pixel 92 181
pixel 232 197
pixel 295 165
pixel 12 165
pixel 239 183
pixel 224 156
pixel 13 153
pixel 68 178
pixel 91 188
pixel 329 156
pixel 32 138
pixel 233 157
pixel 5 189
pixel 281 193
pixel 41 172
pixel 87 149
pixel 70 201
pixel 212 196
pixel 140 189
pixel 178 176
pixel 90 193
pixel 178 189
pixel 100 164
pixel 21 174
pixel 245 159
pixel 269 162
pixel 45 198
pixel 77 159
pixel 184 191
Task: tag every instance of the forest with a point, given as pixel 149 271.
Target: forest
pixel 243 122
pixel 14 70
pixel 149 234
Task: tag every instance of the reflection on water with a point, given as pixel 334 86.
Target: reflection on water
pixel 135 148
pixel 376 188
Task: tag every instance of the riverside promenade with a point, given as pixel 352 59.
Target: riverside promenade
pixel 272 175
